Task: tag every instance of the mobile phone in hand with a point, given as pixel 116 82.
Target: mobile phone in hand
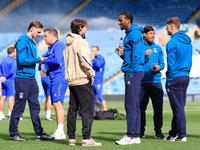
pixel 198 51
pixel 47 55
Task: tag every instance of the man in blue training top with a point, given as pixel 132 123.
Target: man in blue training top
pixel 98 63
pixel 133 74
pixel 179 63
pixel 25 84
pixel 55 63
pixel 7 77
pixel 45 79
pixel 151 83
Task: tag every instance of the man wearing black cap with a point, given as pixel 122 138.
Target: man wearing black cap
pixel 133 59
pixel 151 83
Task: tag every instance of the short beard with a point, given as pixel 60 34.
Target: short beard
pixel 149 42
pixel 169 33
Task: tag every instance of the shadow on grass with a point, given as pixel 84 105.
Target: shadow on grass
pixel 4 137
pixel 108 138
pixel 192 135
pixel 105 138
pixel 120 134
pixel 65 141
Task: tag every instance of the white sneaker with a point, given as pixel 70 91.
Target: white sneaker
pixel 59 135
pixel 172 139
pixel 72 142
pixel 169 137
pixel 2 117
pixel 50 119
pixel 90 142
pixel 181 139
pixel 126 140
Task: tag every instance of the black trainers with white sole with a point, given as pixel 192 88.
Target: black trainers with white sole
pixel 17 137
pixel 142 135
pixel 43 137
pixel 159 135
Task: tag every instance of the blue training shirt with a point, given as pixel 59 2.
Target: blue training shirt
pixel 133 52
pixel 151 76
pixel 8 68
pixel 179 56
pixel 55 62
pixel 26 57
pixel 98 66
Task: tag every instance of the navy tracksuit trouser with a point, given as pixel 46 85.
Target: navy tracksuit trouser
pixel 155 92
pixel 26 89
pixel 177 97
pixel 132 103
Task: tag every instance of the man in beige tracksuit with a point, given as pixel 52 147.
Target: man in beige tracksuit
pixel 80 76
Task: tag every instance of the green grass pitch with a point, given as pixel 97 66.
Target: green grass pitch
pixel 105 131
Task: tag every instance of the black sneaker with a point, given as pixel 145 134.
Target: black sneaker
pixel 142 135
pixel 159 135
pixel 43 137
pixel 17 137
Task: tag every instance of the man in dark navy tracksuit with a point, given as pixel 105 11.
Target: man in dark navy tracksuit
pixel 133 59
pixel 25 84
pixel 151 83
pixel 179 63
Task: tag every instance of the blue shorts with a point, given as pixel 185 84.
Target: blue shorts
pixel 46 84
pixel 98 91
pixel 8 88
pixel 58 92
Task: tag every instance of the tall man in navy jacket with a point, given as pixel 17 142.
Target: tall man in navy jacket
pixel 55 62
pixel 151 83
pixel 179 63
pixel 133 73
pixel 25 84
pixel 98 63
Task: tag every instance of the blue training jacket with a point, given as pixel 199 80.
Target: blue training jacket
pixel 55 62
pixel 179 56
pixel 134 52
pixel 26 57
pixel 8 68
pixel 156 57
pixel 98 66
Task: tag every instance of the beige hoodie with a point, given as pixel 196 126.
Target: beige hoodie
pixel 78 66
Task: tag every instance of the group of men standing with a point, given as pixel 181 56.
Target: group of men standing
pixel 71 66
pixel 142 63
pixel 66 66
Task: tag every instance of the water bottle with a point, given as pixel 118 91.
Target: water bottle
pixel 121 47
pixel 44 71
